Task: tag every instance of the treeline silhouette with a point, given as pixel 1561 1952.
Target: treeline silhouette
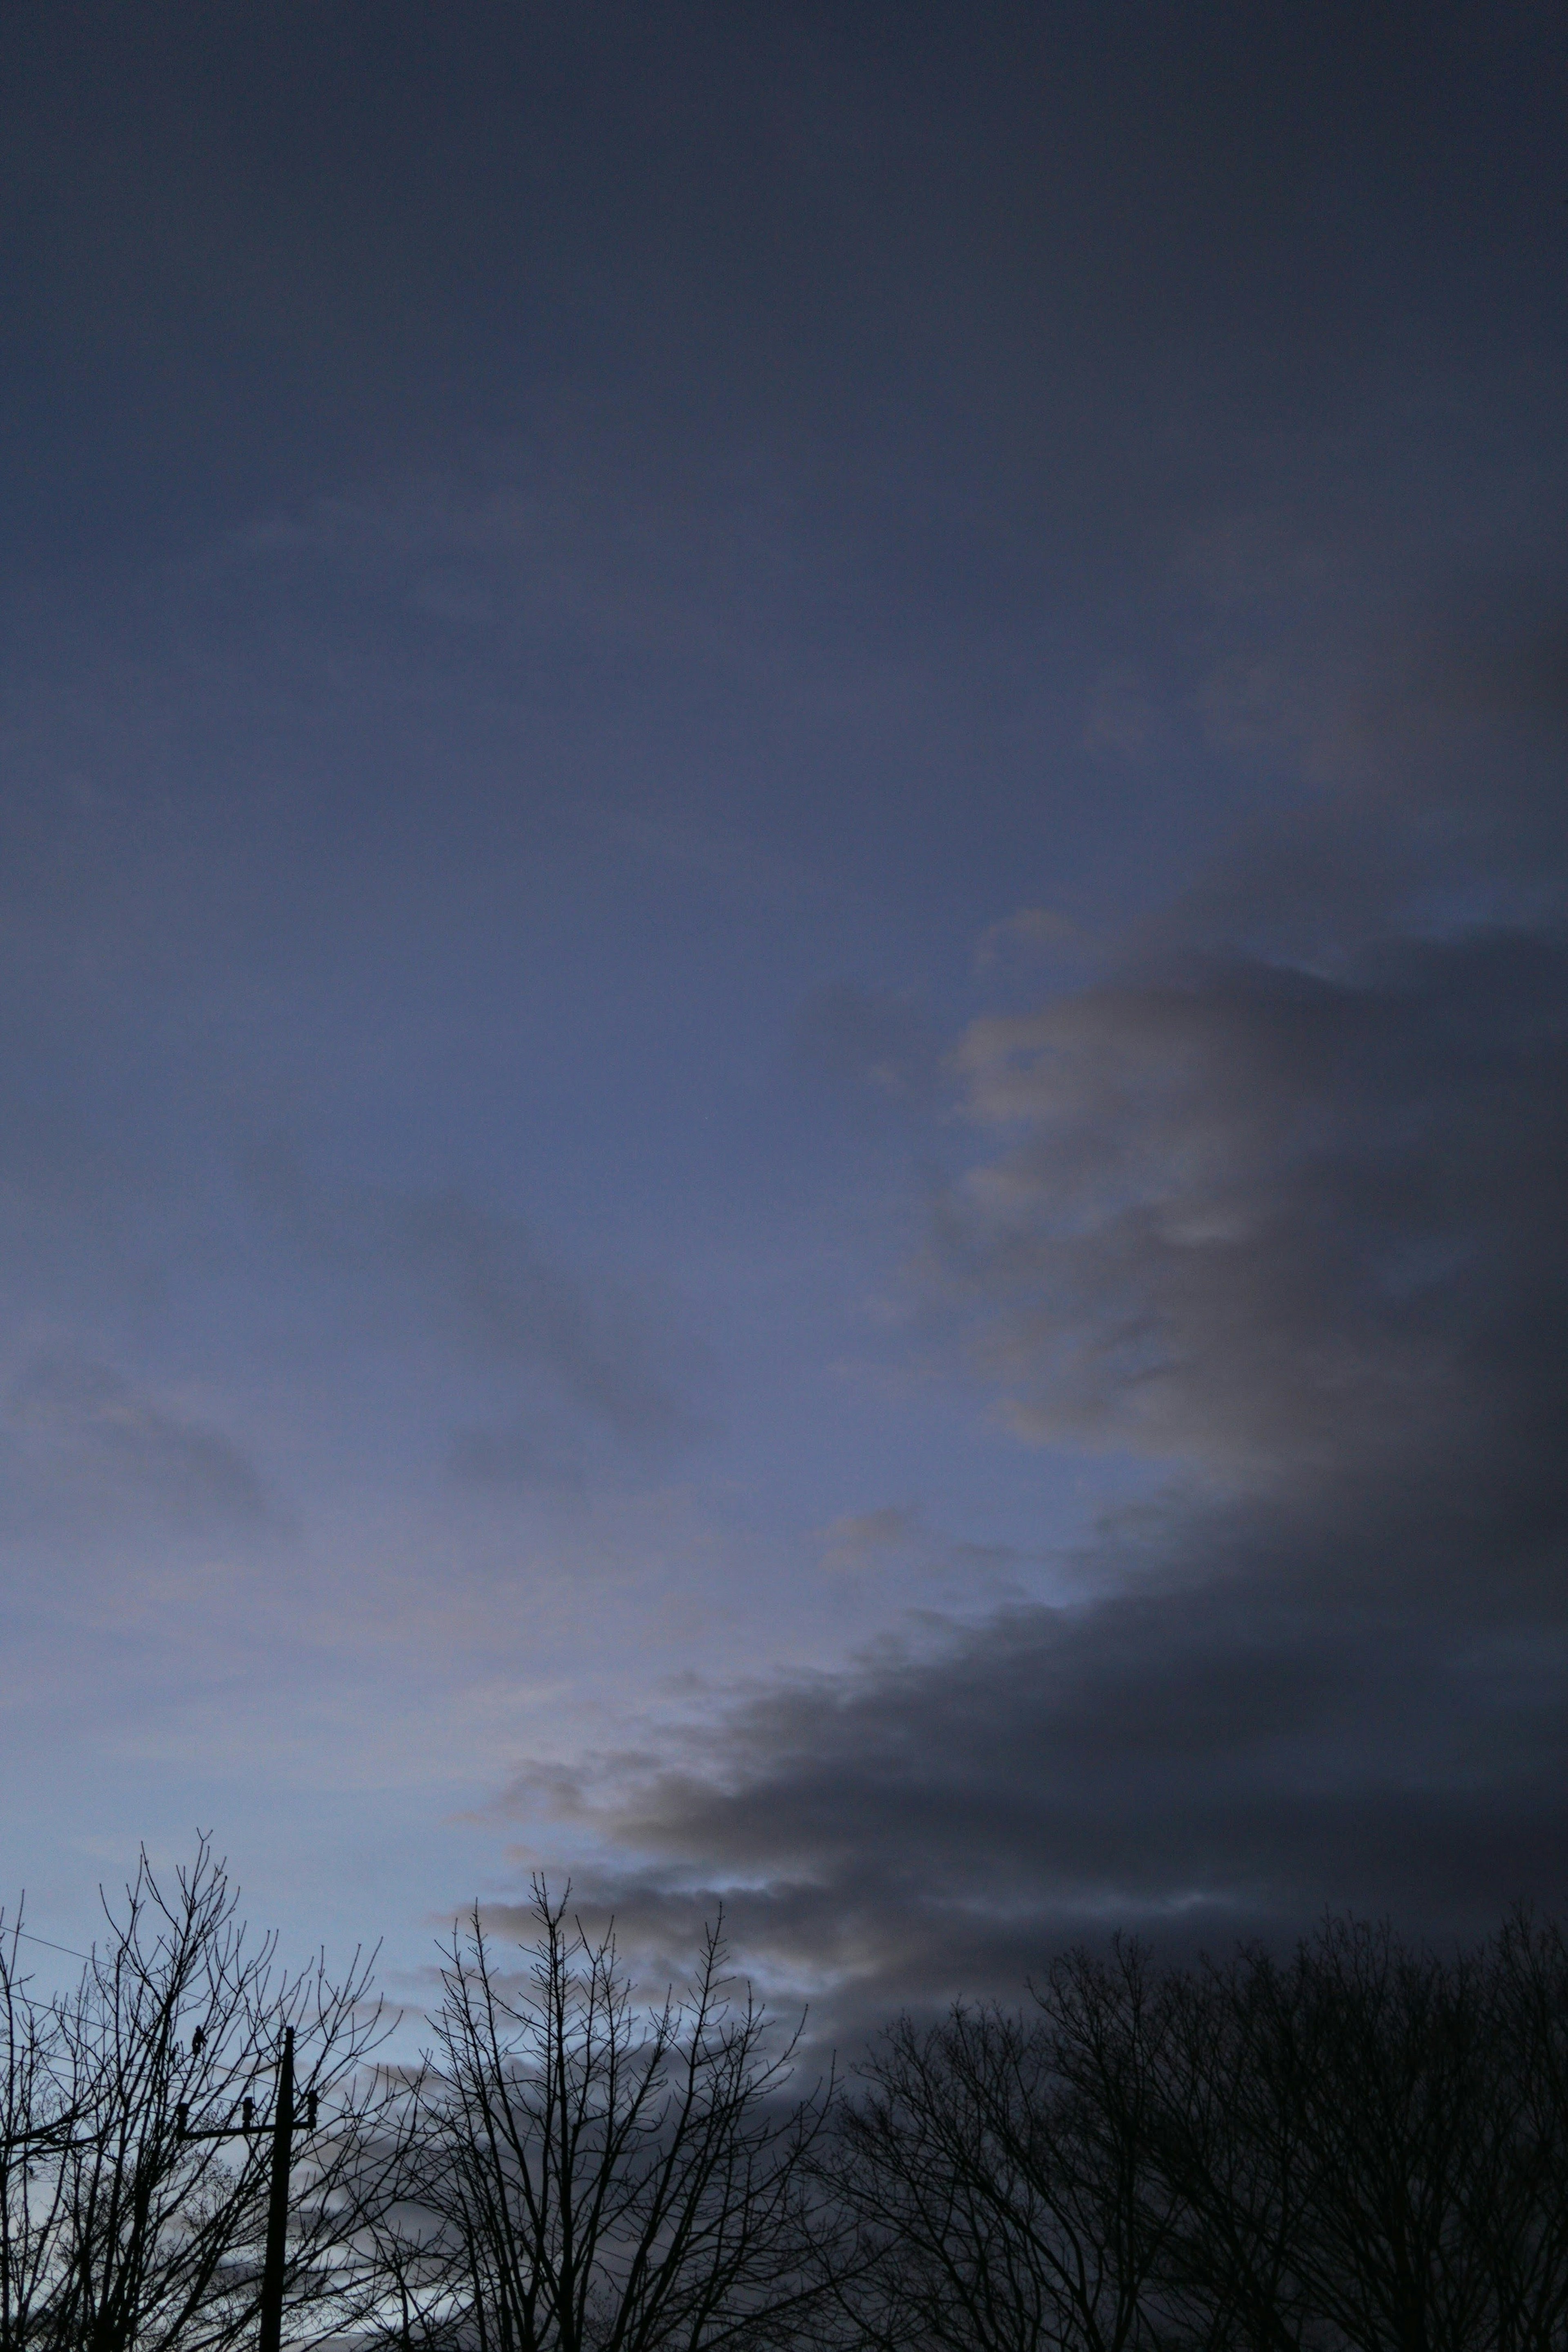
pixel 1361 2146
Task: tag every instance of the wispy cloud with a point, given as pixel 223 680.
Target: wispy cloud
pixel 84 1444
pixel 869 1037
pixel 860 1539
pixel 422 1269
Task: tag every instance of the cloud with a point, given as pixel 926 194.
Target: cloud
pixel 1028 936
pixel 859 1539
pixel 869 1037
pixel 432 1269
pixel 1197 1765
pixel 516 1457
pixel 81 1444
pixel 1276 1207
pixel 1259 1217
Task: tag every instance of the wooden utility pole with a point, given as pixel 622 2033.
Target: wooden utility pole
pixel 271 2334
pixel 284 2120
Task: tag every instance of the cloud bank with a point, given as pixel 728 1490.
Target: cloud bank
pixel 1273 1206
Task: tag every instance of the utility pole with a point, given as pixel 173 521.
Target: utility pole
pixel 284 2123
pixel 271 2334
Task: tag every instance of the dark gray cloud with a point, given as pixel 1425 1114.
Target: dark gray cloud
pixel 1278 1218
pixel 1195 1766
pixel 1291 1227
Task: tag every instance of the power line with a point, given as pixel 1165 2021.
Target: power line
pixel 28 1936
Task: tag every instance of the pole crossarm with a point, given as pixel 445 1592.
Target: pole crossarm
pixel 305 2115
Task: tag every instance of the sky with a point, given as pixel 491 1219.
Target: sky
pixel 783 981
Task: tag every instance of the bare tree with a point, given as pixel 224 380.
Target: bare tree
pixel 1346 2137
pixel 1362 2148
pixel 1225 2142
pixel 35 2118
pixel 140 2226
pixel 1522 2216
pixel 596 2177
pixel 996 2168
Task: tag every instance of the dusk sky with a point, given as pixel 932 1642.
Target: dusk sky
pixel 783 867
